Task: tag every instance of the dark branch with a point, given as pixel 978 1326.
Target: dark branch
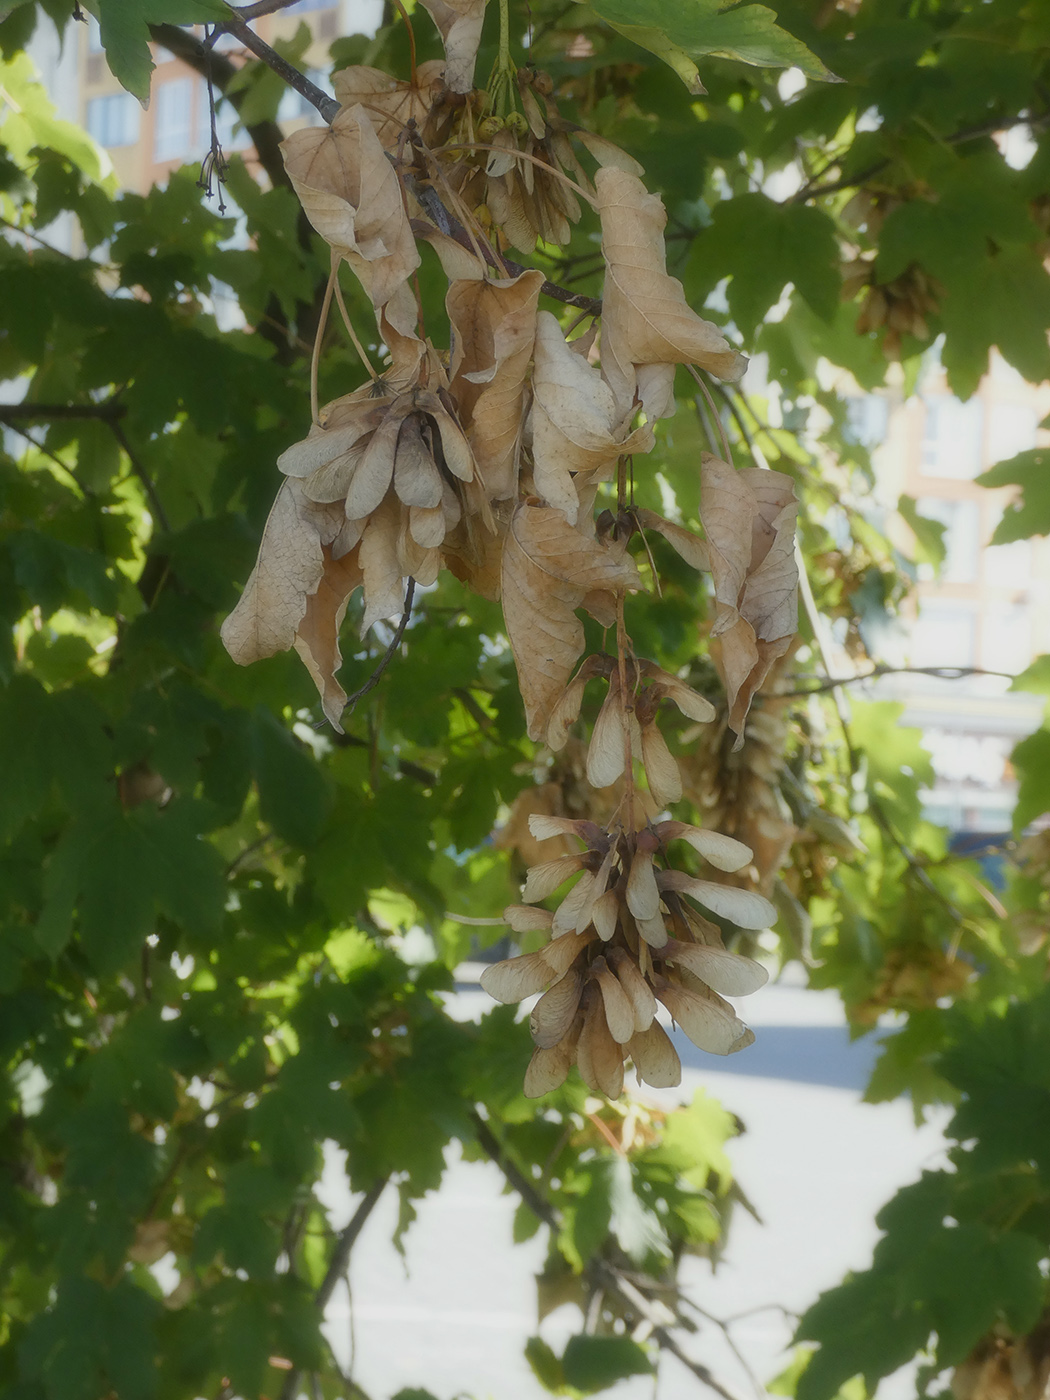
pixel 160 515
pixel 944 673
pixel 603 1273
pixel 327 106
pixel 337 1267
pixel 52 412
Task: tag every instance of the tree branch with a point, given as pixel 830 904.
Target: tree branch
pixel 603 1273
pixel 327 106
pixel 944 673
pixel 160 515
pixel 337 1267
pixel 16 412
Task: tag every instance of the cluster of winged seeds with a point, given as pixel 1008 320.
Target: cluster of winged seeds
pixel 626 937
pixel 488 457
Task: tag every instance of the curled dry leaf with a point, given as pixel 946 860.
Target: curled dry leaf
pixel 297 593
pixel 494 323
pixel 749 517
pixel 549 569
pixel 317 637
pixel 576 425
pixel 391 104
pixel 459 22
pixel 646 320
pixel 350 193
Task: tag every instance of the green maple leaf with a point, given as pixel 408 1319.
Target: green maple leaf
pixel 125 33
pixel 794 244
pixel 680 31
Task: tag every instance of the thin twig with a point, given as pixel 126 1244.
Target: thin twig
pixel 337 1267
pixel 603 1273
pixel 388 655
pixel 327 106
pixel 160 515
pixel 944 673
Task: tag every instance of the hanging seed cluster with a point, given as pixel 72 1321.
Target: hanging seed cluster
pixel 492 457
pixel 625 938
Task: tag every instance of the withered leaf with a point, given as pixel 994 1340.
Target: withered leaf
pixel 390 104
pixel 494 322
pixel 576 424
pixel 459 23
pixel 749 518
pixel 289 569
pixel 351 195
pixel 317 638
pixel 645 317
pixel 548 570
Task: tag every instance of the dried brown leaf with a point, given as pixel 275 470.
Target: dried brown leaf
pixel 351 195
pixel 459 22
pixel 317 637
pixel 689 546
pixel 645 317
pixel 749 518
pixel 576 425
pixel 548 570
pixel 494 322
pixel 289 569
pixel 390 104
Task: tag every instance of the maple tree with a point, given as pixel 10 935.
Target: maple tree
pixel 217 843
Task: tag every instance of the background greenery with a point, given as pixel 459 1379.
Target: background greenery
pixel 205 896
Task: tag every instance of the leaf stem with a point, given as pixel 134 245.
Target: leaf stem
pixel 315 356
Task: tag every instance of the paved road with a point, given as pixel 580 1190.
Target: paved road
pixel 815 1160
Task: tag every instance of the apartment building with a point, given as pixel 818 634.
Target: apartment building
pixel 987 610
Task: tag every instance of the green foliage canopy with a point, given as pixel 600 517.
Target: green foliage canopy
pixel 210 959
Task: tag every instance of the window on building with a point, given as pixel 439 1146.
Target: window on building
pixel 1006 637
pixel 113 120
pixel 951 443
pixel 962 536
pixel 1011 429
pixel 945 635
pixel 172 123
